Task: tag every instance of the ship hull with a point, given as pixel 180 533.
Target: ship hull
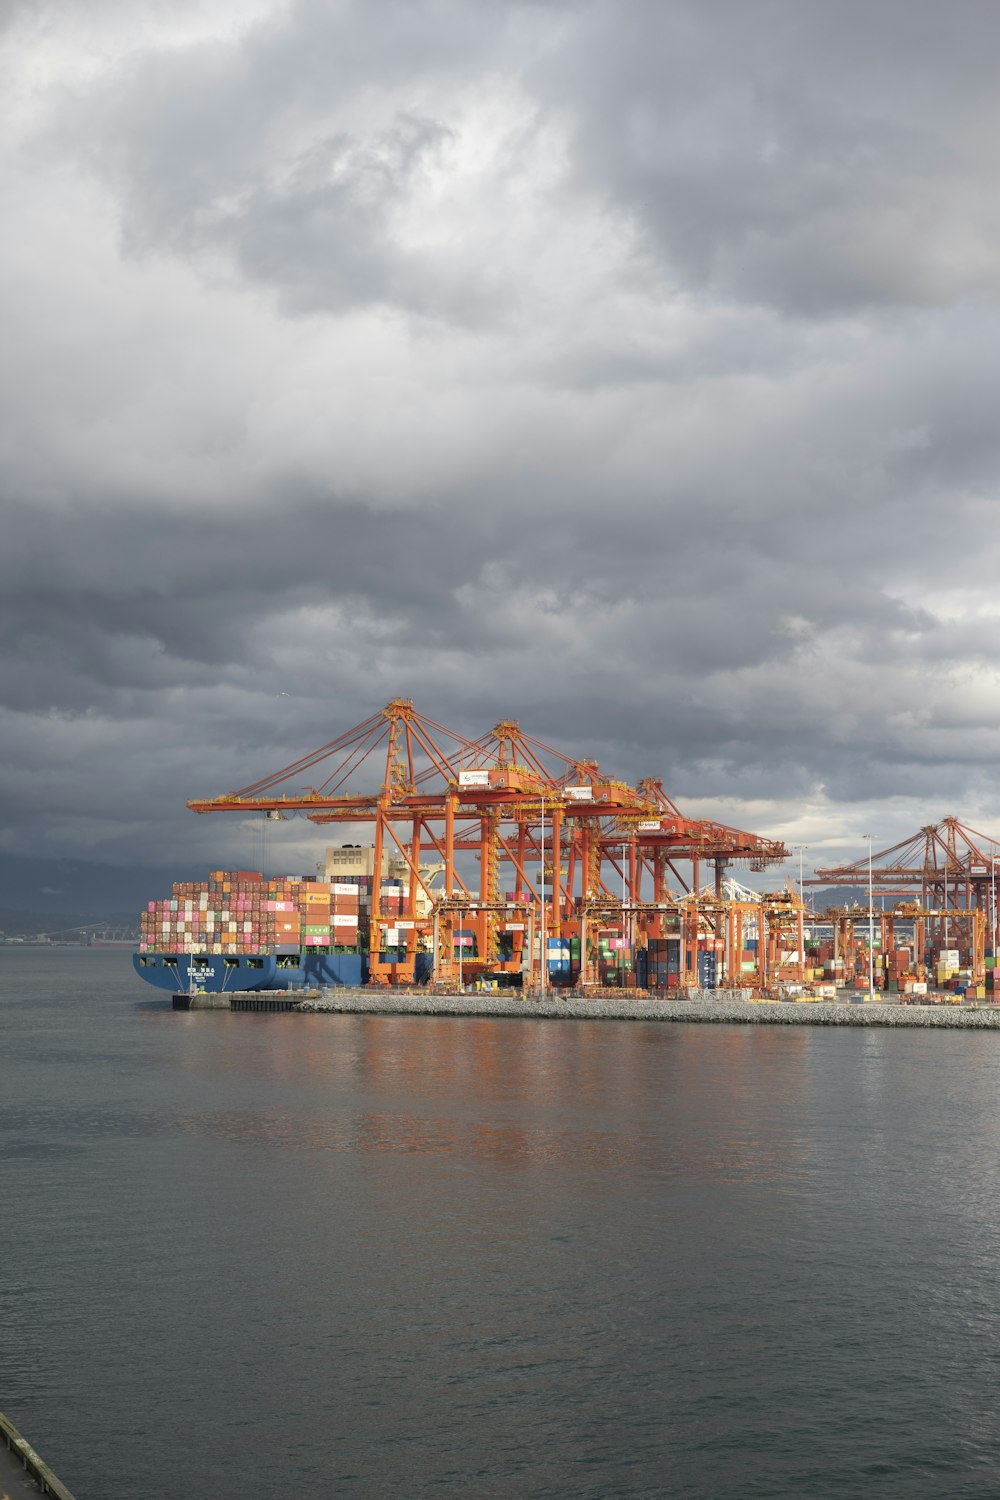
pixel 217 974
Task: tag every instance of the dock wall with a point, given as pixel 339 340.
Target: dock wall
pixel 15 1448
pixel 723 1009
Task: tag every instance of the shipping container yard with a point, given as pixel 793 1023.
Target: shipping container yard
pixel 547 875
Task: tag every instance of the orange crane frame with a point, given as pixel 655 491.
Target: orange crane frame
pixel 511 801
pixel 947 868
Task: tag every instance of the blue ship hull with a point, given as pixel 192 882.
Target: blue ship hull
pixel 218 973
pixel 224 973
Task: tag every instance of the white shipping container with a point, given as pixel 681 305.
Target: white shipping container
pixel 473 778
pixel 341 888
pixel 345 921
pixel 579 793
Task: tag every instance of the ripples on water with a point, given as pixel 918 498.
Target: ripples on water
pixel 370 1256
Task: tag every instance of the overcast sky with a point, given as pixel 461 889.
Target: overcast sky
pixel 630 369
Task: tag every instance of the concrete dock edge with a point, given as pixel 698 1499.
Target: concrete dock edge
pixel 705 1012
pixel 31 1462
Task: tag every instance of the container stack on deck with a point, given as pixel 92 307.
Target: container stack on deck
pixel 243 912
pixel 394 932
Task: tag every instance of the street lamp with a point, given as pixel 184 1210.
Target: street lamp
pixel 993 903
pixel 871 924
pixel 802 930
pixel 624 898
pixel 946 928
pixel 801 848
pixel 541 892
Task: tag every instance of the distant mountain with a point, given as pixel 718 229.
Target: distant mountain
pixel 843 895
pixel 51 888
pixel 52 891
pixel 61 926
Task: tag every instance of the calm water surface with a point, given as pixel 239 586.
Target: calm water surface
pixel 258 1256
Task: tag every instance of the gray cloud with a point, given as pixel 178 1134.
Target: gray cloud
pixel 818 159
pixel 301 148
pixel 629 372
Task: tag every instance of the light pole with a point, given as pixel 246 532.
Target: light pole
pixel 993 904
pixel 946 928
pixel 871 925
pixel 802 927
pixel 801 848
pixel 624 898
pixel 541 892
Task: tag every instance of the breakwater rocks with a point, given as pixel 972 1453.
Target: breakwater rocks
pixel 720 1008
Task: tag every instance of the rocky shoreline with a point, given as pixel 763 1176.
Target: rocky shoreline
pixel 712 1011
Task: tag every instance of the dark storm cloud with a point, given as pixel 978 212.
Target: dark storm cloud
pixel 819 158
pixel 131 606
pixel 639 385
pixel 815 158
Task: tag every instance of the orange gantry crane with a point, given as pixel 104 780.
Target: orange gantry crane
pixel 946 868
pixel 540 824
pixel 865 940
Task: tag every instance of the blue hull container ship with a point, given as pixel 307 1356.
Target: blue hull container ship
pixel 242 931
pixel 217 974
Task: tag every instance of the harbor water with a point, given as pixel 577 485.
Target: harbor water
pixel 354 1256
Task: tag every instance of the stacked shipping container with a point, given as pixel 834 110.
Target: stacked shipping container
pixel 244 912
pixel 397 927
pixel 663 964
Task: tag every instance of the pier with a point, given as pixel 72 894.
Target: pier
pixel 247 1000
pixel 22 1471
pixel 715 1007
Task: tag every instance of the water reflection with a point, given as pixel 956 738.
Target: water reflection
pixel 675 1102
pixel 497 1258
